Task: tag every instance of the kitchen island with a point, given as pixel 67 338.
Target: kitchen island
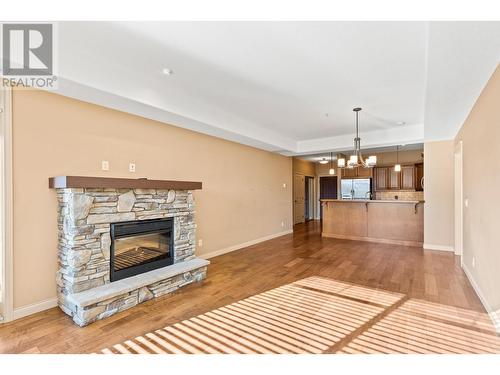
pixel 387 221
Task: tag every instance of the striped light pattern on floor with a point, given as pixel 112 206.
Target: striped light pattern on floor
pixel 308 316
pixel 420 327
pixel 318 315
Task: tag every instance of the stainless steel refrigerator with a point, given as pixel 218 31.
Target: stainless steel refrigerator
pixel 356 188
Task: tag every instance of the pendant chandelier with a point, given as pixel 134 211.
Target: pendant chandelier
pixel 331 171
pixel 397 167
pixel 356 159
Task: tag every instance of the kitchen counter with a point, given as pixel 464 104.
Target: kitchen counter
pixel 371 201
pixel 387 221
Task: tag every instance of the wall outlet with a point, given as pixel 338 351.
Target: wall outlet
pixel 105 165
pixel 282 224
pixel 200 243
pixel 131 167
pixel 473 262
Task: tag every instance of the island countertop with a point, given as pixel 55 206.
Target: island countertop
pixel 389 221
pixel 371 201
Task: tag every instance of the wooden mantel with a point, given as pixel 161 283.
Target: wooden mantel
pixel 62 182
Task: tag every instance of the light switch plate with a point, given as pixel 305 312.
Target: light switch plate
pixel 131 167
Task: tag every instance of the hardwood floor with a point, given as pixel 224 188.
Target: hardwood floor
pixel 431 283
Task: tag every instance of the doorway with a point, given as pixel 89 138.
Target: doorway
pixel 309 198
pixel 459 200
pixel 303 198
pixel 327 190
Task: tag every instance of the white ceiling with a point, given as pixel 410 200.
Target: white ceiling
pixel 272 84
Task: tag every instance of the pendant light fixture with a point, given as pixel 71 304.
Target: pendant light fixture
pixel 331 171
pixel 323 161
pixel 397 167
pixel 356 159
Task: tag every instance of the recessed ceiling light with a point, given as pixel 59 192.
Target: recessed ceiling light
pixel 401 123
pixel 326 114
pixel 167 72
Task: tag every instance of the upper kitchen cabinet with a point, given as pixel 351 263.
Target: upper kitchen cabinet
pixel 365 172
pixel 358 172
pixel 381 177
pixel 349 172
pixel 408 177
pixel 419 176
pixel 394 179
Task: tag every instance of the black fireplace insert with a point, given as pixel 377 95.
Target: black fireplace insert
pixel 140 246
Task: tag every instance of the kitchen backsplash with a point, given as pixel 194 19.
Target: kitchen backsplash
pixel 402 195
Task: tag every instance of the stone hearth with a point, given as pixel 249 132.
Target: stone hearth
pixel 83 278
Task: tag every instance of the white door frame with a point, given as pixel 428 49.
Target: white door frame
pixel 459 200
pixel 6 216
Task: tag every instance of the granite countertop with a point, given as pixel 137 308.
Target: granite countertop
pixel 371 201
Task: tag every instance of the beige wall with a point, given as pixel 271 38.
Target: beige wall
pixel 439 195
pixel 481 182
pixel 304 167
pixel 243 198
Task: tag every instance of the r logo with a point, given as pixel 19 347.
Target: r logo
pixel 28 50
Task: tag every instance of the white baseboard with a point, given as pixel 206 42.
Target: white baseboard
pixel 494 315
pixel 244 244
pixel 21 312
pixel 429 246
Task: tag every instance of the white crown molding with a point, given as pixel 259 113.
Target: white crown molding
pixel 380 138
pixel 250 135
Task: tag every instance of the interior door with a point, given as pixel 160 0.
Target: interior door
pixel 298 198
pixel 327 189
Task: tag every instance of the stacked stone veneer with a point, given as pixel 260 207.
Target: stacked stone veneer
pixel 84 222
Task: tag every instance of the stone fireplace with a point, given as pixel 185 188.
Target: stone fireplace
pixel 123 242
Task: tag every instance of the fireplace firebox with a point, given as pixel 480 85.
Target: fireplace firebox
pixel 140 246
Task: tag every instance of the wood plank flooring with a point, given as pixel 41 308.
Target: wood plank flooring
pixel 437 299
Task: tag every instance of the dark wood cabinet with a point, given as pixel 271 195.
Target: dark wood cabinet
pixel 419 176
pixel 381 177
pixel 408 177
pixel 349 172
pixel 358 172
pixel 365 172
pixel 394 179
